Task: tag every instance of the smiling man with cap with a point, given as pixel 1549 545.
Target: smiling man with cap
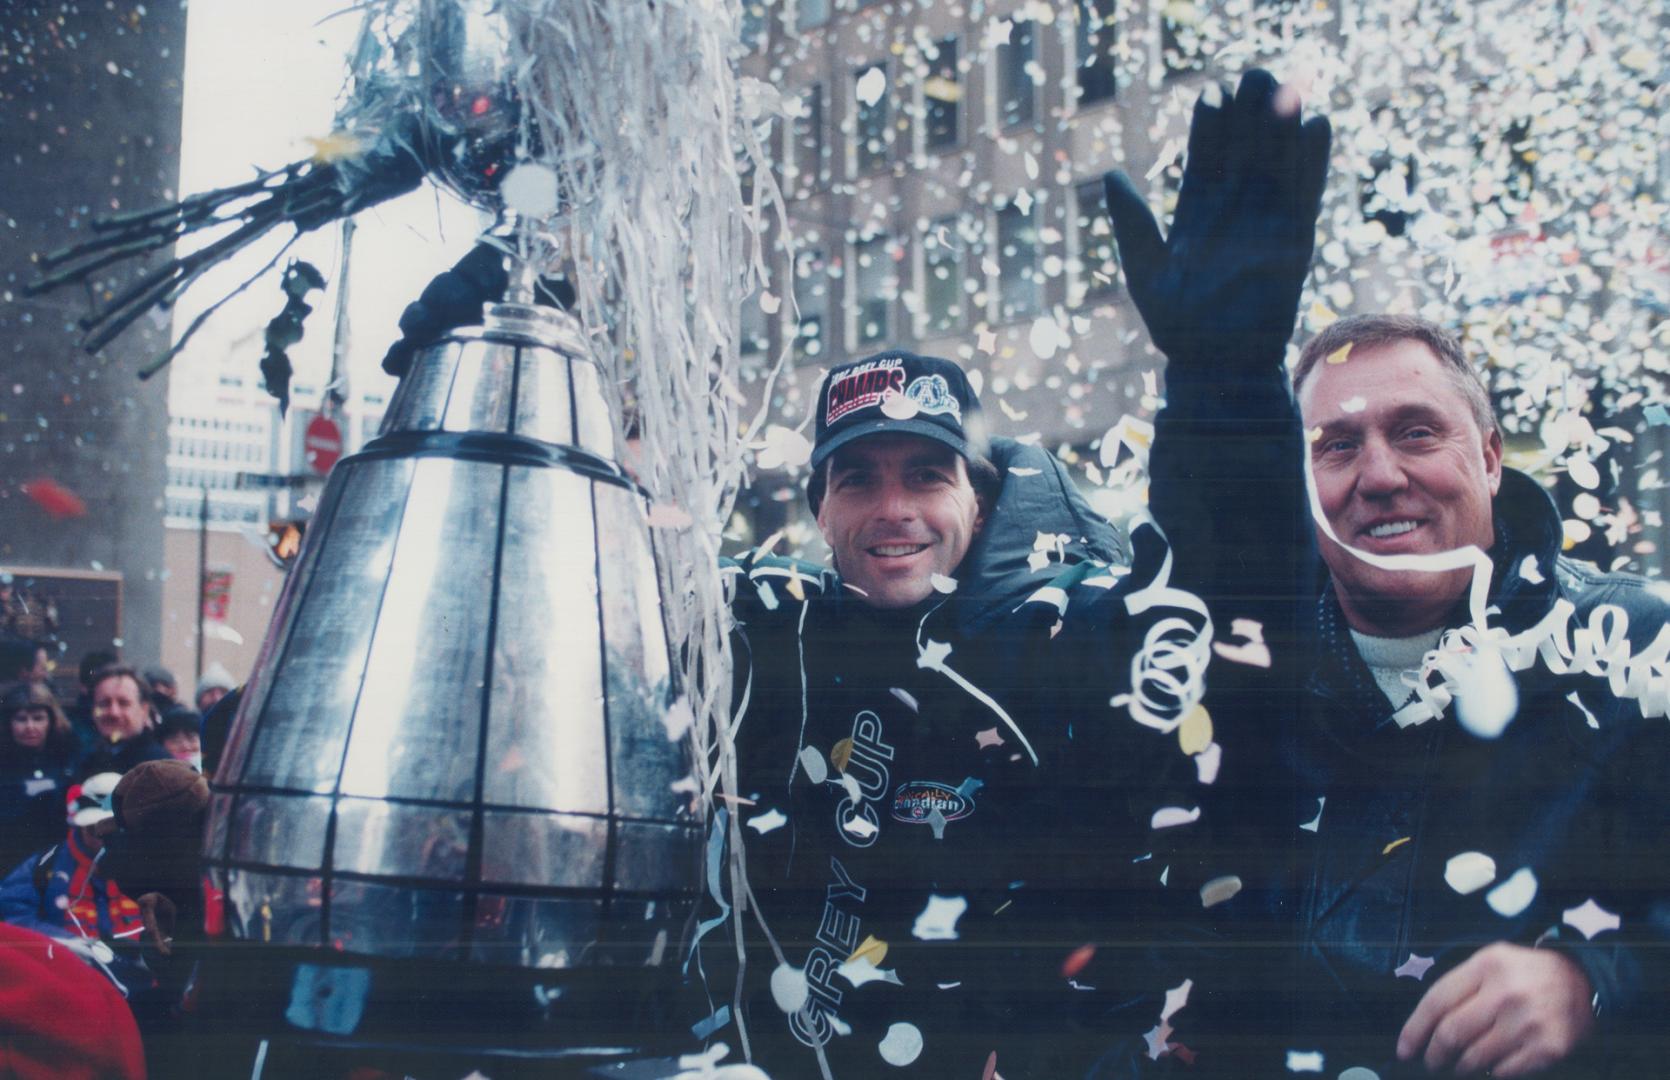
pixel 957 749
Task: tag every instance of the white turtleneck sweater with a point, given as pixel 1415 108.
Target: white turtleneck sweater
pixel 1389 657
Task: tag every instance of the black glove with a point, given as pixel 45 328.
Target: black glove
pixel 451 299
pixel 1221 292
pixel 454 298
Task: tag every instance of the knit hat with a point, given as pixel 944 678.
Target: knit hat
pixel 215 678
pixel 89 801
pixel 898 392
pixel 161 798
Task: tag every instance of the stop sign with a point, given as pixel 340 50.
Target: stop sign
pixel 322 444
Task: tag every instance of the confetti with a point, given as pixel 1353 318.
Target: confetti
pixel 1588 717
pixel 57 500
pixel 902 1045
pixel 679 719
pixel 770 302
pixel 1589 919
pixel 1156 1038
pixel 988 342
pixel 840 754
pixel 1172 816
pixel 873 948
pixel 1528 570
pixel 872 85
pixel 1315 823
pixel 1304 1061
pixel 1077 960
pixel 1394 845
pixel 1514 895
pixel 1415 967
pixel 1583 471
pixel 1469 872
pixel 904 696
pixel 942 584
pixel 863 970
pixel 938 920
pixel 812 761
pixel 1194 734
pixel 1357 1072
pixel 1218 890
pixel 1657 415
pixel 1339 355
pixel 897 406
pixel 783 448
pixel 789 988
pixel 988 737
pixel 1353 405
pixel 1207 763
pixel 771 819
pixel 1254 652
pixel 530 189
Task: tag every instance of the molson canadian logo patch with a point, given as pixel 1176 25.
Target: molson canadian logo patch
pixel 916 800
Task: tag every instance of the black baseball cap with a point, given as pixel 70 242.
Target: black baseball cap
pixel 898 393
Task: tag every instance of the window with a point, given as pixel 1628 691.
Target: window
pixel 941 92
pixel 1096 41
pixel 1096 262
pixel 811 297
pixel 811 14
pixel 1020 286
pixel 806 154
pixel 1182 47
pixel 870 132
pixel 1017 94
pixel 875 284
pixel 753 24
pixel 942 277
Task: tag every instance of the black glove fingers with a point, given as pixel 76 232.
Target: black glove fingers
pixel 1142 251
pixel 1315 141
pixel 1250 120
pixel 1206 169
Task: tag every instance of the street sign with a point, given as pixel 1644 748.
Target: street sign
pixel 249 480
pixel 322 444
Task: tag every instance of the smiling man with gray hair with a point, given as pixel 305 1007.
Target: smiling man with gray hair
pixel 1485 884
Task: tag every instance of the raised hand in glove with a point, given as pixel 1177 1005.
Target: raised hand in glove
pixel 1220 293
pixel 454 298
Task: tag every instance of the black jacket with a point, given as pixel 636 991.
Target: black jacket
pixel 1571 791
pixel 1005 780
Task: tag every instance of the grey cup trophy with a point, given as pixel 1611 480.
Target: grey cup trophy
pixel 449 808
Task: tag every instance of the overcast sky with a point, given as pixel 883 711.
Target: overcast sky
pixel 261 79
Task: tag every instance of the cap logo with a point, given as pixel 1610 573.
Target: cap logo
pixel 933 396
pixel 864 385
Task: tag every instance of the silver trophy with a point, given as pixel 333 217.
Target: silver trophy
pixel 452 759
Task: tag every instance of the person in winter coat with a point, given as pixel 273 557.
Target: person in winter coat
pixel 124 720
pixel 971 756
pixel 62 891
pixel 1479 849
pixel 38 753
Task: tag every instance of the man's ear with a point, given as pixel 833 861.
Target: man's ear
pixel 1493 460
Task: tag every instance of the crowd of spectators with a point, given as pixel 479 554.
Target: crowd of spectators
pixel 96 793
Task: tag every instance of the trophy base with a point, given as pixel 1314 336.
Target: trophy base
pixel 274 1014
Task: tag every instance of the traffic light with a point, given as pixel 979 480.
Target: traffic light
pixel 284 541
